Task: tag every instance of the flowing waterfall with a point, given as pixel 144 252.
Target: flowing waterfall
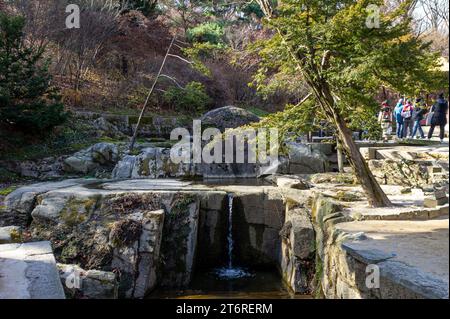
pixel 230 231
pixel 231 272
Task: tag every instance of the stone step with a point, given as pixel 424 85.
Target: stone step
pixel 28 271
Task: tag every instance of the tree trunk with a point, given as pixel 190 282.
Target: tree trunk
pixel 375 195
pixel 322 92
pixel 124 65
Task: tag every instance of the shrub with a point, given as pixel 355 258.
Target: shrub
pixel 209 32
pixel 147 7
pixel 192 98
pixel 27 101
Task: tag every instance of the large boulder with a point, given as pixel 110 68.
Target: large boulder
pixel 80 163
pixel 124 167
pixel 305 160
pixel 105 153
pixel 20 203
pixel 106 128
pixel 152 162
pixel 228 117
pixel 88 160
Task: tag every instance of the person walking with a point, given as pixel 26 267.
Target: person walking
pixel 417 117
pixel 398 118
pixel 385 119
pixel 440 109
pixel 407 113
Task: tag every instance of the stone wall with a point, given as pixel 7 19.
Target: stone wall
pixel 257 221
pixel 150 238
pixel 343 267
pixel 297 251
pixel 118 232
pixel 113 124
pixel 213 230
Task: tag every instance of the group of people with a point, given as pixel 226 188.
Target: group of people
pixel 409 116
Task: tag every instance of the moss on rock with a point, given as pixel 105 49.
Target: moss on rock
pixel 125 232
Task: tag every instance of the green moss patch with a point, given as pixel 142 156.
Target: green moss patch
pixel 8 190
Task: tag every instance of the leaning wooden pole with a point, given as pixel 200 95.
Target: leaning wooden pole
pixel 144 108
pixel 340 158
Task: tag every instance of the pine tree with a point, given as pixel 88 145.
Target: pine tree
pixel 147 7
pixel 27 101
pixel 345 61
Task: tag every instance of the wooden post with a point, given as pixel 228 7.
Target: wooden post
pixel 340 158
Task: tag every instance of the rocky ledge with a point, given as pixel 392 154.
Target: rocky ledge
pixel 125 238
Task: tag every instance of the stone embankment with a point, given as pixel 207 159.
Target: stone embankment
pixel 126 238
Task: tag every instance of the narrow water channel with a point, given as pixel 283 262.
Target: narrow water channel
pixel 207 285
pixel 232 281
pixel 231 271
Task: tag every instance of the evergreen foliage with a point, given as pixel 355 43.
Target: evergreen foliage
pixel 27 100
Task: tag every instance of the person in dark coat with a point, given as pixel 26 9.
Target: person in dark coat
pixel 417 116
pixel 440 109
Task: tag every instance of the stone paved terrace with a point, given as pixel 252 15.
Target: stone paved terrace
pixel 408 206
pixel 28 271
pixel 414 254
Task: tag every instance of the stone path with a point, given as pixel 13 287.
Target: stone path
pixel 28 271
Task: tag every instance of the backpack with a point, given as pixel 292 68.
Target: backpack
pixel 407 112
pixel 398 113
pixel 386 114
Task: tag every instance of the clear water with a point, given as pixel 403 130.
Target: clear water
pixel 231 272
pixel 231 281
pixel 262 284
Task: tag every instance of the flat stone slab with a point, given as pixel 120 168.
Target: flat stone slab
pixel 405 143
pixel 403 212
pixel 145 184
pixel 22 199
pixel 28 271
pixel 400 152
pixel 422 283
pixel 26 196
pixel 368 256
pixel 412 253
